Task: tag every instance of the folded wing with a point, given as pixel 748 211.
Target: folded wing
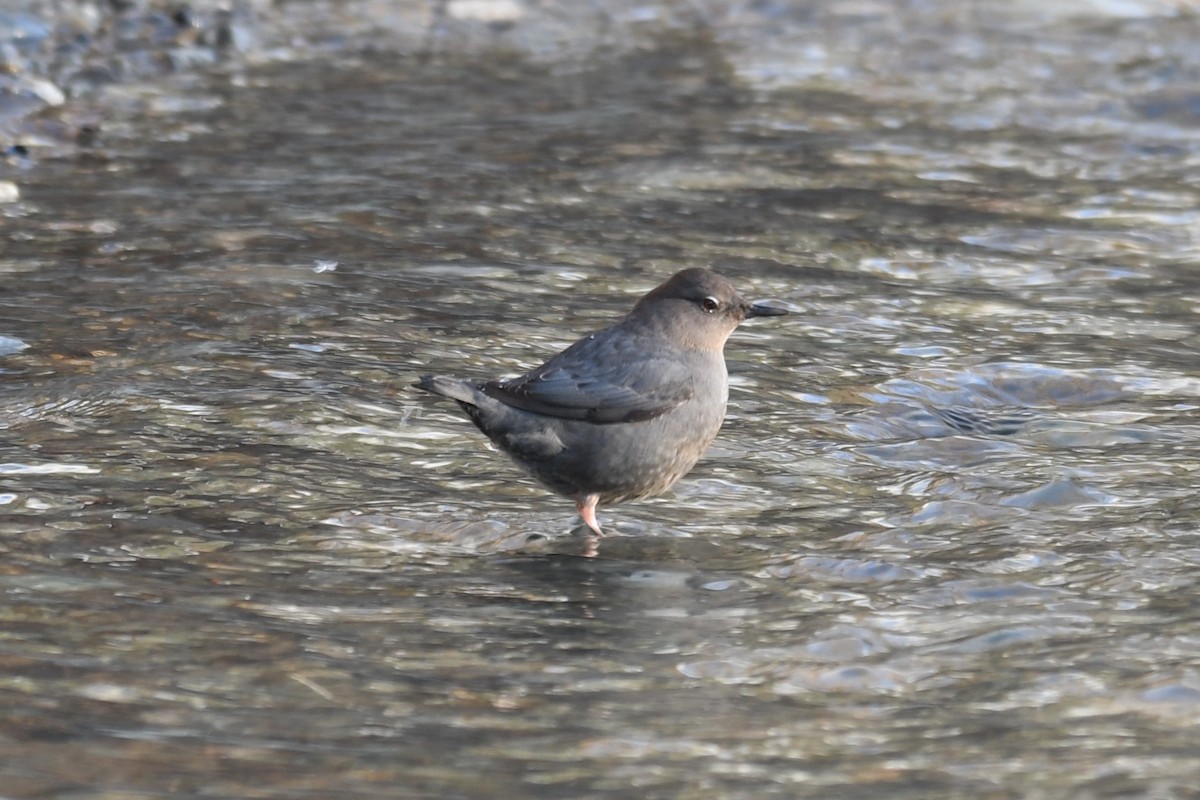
pixel 600 379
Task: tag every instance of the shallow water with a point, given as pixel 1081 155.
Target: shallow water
pixel 946 544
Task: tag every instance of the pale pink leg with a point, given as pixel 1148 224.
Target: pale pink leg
pixel 587 510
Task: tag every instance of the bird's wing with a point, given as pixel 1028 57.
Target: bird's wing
pixel 599 379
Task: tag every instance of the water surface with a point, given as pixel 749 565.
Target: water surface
pixel 945 546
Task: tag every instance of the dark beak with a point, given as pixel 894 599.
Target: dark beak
pixel 765 308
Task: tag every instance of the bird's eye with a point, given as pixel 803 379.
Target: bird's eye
pixel 710 304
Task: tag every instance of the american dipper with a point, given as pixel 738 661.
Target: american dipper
pixel 626 412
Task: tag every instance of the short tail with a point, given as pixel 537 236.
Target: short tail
pixel 454 388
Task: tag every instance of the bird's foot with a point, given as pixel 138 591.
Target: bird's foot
pixel 587 511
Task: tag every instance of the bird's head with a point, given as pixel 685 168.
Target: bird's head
pixel 698 309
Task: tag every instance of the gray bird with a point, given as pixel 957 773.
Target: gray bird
pixel 626 412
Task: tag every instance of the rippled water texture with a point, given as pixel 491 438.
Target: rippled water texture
pixel 945 546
